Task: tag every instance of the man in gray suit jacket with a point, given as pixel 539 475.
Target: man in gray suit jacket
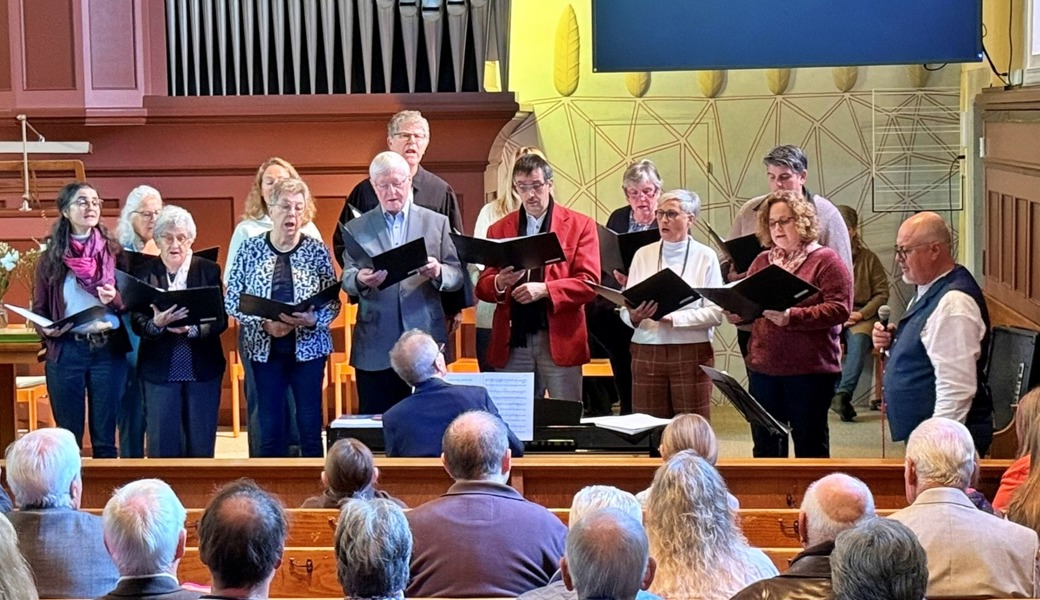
pixel 64 546
pixel 414 303
pixel 145 535
pixel 970 552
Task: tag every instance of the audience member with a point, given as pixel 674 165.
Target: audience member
pixel 373 547
pixel 539 323
pixel 145 535
pixel 241 539
pixel 65 547
pixel 512 545
pixel 970 552
pixel 17 580
pixel 5 501
pixel 689 431
pixel 831 505
pixel 415 425
pixel 700 550
pixel 76 273
pixel 588 500
pixel 879 560
pixel 1027 424
pixel 937 353
pixel 387 311
pixel 350 472
pixel 607 557
pixel 1024 507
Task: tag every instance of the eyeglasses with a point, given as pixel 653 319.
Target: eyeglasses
pixel 784 222
pixel 83 204
pixel 149 215
pixel 179 239
pixel 290 208
pixel 397 185
pixel 903 251
pixel 440 350
pixel 405 136
pixel 525 188
pixel 668 215
pixel 632 193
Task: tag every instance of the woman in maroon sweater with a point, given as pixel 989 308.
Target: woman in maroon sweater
pixel 794 359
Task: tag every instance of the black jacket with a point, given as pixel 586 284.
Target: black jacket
pixel 808 578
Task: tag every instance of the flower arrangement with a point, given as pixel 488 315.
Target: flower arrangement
pixel 25 269
pixel 8 263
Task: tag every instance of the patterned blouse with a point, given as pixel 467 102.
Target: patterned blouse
pixel 253 272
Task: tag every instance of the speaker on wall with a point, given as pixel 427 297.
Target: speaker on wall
pixel 1014 368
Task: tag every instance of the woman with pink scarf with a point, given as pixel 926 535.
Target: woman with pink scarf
pixel 76 273
pixel 794 359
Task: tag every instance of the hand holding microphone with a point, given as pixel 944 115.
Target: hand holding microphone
pixel 881 335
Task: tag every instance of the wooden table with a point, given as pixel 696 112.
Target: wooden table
pixel 12 353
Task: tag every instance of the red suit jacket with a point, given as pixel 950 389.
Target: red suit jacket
pixel 568 292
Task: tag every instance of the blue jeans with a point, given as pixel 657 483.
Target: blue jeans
pixel 99 375
pixel 274 379
pixel 857 349
pixel 799 401
pixel 182 418
pixel 131 408
pixel 253 407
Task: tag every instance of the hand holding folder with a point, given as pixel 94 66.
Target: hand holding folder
pixel 527 252
pixel 400 263
pixel 772 288
pixel 665 288
pixel 273 310
pixel 81 318
pixel 204 304
pixel 616 250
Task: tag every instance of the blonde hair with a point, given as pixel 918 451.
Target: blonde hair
pixel 17 581
pixel 1026 420
pixel 1024 507
pixel 805 221
pixel 690 432
pixel 255 208
pixel 287 187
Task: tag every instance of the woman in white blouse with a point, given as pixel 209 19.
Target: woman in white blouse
pixel 666 353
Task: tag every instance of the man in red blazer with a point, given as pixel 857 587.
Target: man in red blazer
pixel 539 323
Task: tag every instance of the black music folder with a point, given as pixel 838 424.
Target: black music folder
pixel 616 250
pixel 527 252
pixel 400 263
pixel 745 403
pixel 81 318
pixel 204 304
pixel 665 287
pixel 772 288
pixel 272 309
pixel 139 259
pixel 741 251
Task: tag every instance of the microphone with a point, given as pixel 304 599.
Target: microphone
pixel 883 313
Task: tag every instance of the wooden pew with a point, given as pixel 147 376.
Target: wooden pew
pixel 547 480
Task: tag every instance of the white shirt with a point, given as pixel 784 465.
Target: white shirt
pixel 694 324
pixel 534 225
pixel 248 228
pixel 952 337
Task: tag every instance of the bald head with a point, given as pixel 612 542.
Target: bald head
pixel 476 447
pixel 926 248
pixel 833 504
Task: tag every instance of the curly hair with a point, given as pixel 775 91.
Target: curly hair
pixel 285 188
pixel 17 582
pixel 805 221
pixel 254 206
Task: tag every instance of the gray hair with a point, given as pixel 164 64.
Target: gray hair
pixel 242 535
pixel 689 202
pixel 692 530
pixel 405 117
pixel 388 162
pixel 640 171
pixel 607 554
pixel 143 522
pixel 942 452
pixel 880 559
pixel 788 156
pixel 413 356
pixel 833 504
pixel 474 446
pixel 125 228
pixel 42 465
pixel 595 497
pixel 173 217
pixel 373 549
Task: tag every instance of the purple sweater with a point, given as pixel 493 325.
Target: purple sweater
pixel 809 343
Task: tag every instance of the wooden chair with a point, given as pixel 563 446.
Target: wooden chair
pixel 238 379
pixel 342 372
pixel 30 391
pixel 597 367
pixel 462 339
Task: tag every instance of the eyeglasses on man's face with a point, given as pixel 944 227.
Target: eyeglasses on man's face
pixel 526 188
pixel 406 136
pixel 903 251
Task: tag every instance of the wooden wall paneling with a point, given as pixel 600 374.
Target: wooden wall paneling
pixel 1021 239
pixel 113 45
pixel 1034 264
pixel 1007 239
pixel 992 263
pixel 5 46
pixel 48 45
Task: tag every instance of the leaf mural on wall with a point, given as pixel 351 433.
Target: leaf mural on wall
pixel 568 49
pixel 638 84
pixel 845 78
pixel 710 82
pixel 778 80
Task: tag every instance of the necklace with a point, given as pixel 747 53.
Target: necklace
pixel 686 257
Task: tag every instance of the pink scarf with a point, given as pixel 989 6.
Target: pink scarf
pixel 790 261
pixel 91 261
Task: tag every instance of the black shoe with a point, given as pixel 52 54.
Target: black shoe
pixel 841 403
pixel 875 405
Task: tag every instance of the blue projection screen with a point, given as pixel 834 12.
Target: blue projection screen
pixel 676 35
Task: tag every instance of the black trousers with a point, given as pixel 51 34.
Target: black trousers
pixel 609 338
pixel 379 390
pixel 800 402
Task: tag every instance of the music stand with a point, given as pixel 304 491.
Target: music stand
pixel 747 406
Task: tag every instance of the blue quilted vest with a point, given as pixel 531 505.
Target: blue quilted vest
pixel 910 378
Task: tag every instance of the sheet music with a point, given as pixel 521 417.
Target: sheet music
pixel 512 393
